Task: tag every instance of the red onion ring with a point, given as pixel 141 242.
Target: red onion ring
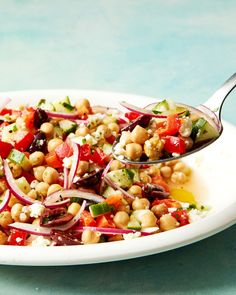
pixel 61 197
pixel 115 186
pixel 104 173
pixel 75 163
pixel 14 188
pixel 5 200
pixel 110 231
pixel 62 115
pixel 66 178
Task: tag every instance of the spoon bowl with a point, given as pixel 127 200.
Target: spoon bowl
pixel 210 111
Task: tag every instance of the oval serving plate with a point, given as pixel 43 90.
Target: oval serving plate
pixel 212 183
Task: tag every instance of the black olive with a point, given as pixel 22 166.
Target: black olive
pixel 154 191
pixel 40 117
pixel 91 180
pixel 39 143
pixel 142 121
pixel 61 238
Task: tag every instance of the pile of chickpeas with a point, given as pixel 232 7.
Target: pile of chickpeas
pixel 47 178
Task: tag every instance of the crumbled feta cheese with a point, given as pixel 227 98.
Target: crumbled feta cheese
pixel 131 236
pixel 119 150
pixel 40 242
pixel 18 239
pixel 67 162
pixel 36 210
pixel 184 205
pixel 86 139
pixel 148 144
pixel 94 120
pixel 175 154
pixel 195 215
pixel 170 210
pixel 186 127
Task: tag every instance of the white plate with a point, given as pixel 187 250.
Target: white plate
pixel 213 183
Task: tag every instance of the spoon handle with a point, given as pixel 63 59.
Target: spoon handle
pixel 215 102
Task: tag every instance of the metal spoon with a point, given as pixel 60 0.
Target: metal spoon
pixel 210 110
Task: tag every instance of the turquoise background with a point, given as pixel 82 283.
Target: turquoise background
pixel 178 49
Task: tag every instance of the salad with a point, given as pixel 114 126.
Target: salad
pixel 60 184
pixel 164 130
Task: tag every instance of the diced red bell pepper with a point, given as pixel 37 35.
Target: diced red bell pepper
pixel 5 111
pixel 172 126
pixel 64 150
pixel 5 149
pixel 24 139
pixel 17 238
pixel 131 116
pixel 52 160
pixel 29 118
pixel 115 200
pixel 85 152
pixel 105 221
pixel 29 177
pixel 181 216
pixel 111 139
pixel 174 144
pixel 99 157
pixel 86 219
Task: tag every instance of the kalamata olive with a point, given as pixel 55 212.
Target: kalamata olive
pixel 91 180
pixel 53 217
pixel 40 117
pixel 39 143
pixel 64 239
pixel 154 191
pixel 142 121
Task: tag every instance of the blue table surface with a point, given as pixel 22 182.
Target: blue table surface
pixel 178 49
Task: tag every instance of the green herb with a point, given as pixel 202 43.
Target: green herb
pixel 42 101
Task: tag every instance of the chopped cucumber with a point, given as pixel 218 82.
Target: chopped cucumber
pixel 100 209
pixel 23 184
pixel 122 177
pixel 58 132
pixel 133 223
pixel 107 148
pixel 67 126
pixel 47 106
pixel 63 106
pixel 167 107
pixel 161 107
pixel 135 172
pixel 198 128
pixel 203 131
pixel 108 192
pixel 19 158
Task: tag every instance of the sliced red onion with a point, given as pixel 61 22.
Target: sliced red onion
pixel 211 114
pixel 140 111
pixel 66 178
pixel 73 221
pixel 14 187
pixel 117 187
pixel 5 200
pixel 110 231
pixel 62 115
pixel 61 197
pixel 31 228
pixel 104 173
pixel 4 103
pixel 75 163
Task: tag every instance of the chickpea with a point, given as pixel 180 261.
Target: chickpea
pixel 42 189
pixel 154 169
pixel 153 147
pixel 103 129
pixel 144 177
pixel 159 210
pixel 38 172
pixel 125 137
pixel 115 165
pixel 114 127
pixel 54 188
pixel 48 129
pixel 24 217
pixel 135 190
pixel 83 167
pixel 50 175
pixel 141 203
pixel 171 163
pixel 90 237
pixel 166 171
pixel 36 158
pixel 15 169
pixel 124 207
pixel 82 131
pixel 148 219
pixel 83 106
pixel 167 222
pixel 3 238
pixel 139 135
pixel 13 200
pixel 53 143
pixel 178 177
pixel 36 221
pixel 121 219
pixel 180 166
pixel 3 187
pixel 5 219
pixel 133 151
pixel 16 210
pixel 32 194
pixel 73 208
